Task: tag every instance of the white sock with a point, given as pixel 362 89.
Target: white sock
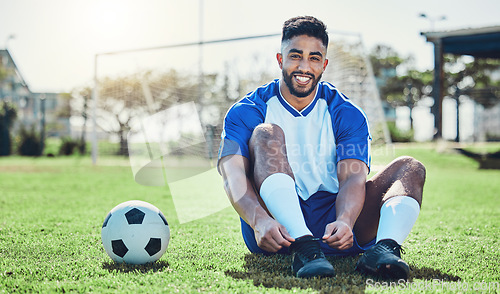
pixel 397 217
pixel 279 194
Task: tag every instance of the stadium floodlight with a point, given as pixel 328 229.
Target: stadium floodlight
pixel 10 37
pixel 432 19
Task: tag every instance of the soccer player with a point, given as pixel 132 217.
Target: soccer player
pixel 294 157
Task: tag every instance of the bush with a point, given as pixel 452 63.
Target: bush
pixel 82 147
pixel 69 145
pixel 492 137
pixel 397 135
pixel 29 143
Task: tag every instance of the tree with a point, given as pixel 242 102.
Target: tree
pixel 3 72
pixel 79 108
pixel 385 61
pixel 120 101
pixel 472 77
pixel 8 114
pixel 466 72
pixel 399 83
pixel 64 106
pixel 123 101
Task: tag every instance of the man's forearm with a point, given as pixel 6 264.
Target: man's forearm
pixel 247 205
pixel 250 210
pixel 240 190
pixel 350 199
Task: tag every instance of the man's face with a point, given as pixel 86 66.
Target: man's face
pixel 302 61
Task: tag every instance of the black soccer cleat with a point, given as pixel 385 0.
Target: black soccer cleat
pixel 384 259
pixel 308 260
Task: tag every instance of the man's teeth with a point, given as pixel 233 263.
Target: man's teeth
pixel 303 79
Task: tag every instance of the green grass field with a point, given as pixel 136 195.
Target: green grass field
pixel 52 209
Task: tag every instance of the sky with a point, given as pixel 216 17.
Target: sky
pixel 55 41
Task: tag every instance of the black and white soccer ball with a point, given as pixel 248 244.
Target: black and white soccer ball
pixel 135 232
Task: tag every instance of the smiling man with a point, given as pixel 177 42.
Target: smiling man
pixel 294 156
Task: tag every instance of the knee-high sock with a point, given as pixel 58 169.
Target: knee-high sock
pixel 397 217
pixel 279 194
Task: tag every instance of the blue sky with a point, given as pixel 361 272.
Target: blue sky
pixel 56 40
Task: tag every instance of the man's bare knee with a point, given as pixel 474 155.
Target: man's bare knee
pixel 268 152
pixel 267 136
pixel 413 167
pixel 404 176
pixel 266 131
pixel 412 177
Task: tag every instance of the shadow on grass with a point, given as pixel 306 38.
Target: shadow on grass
pixel 275 272
pixel 139 268
pixel 425 273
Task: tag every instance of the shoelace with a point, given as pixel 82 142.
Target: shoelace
pixel 384 247
pixel 310 249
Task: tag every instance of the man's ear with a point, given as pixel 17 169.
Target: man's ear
pixel 325 64
pixel 279 57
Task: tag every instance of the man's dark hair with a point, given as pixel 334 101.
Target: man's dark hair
pixel 305 25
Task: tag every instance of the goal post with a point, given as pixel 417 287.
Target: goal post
pixel 170 102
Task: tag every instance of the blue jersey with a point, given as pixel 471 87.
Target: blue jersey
pixel 331 128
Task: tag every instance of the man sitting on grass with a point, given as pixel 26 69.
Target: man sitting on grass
pixel 295 155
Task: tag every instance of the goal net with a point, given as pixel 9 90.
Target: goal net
pixel 166 106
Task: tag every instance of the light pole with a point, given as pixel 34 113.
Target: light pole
pixel 432 19
pixel 437 87
pixel 457 97
pixel 42 131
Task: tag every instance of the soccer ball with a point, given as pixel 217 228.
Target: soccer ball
pixel 135 232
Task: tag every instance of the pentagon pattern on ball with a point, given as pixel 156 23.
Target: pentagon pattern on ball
pixel 106 220
pixel 119 248
pixel 154 246
pixel 135 216
pixel 163 218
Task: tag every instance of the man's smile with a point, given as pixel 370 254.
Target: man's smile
pixel 303 79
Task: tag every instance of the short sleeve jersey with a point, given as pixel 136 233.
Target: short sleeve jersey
pixel 331 128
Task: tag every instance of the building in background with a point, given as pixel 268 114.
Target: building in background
pixel 481 42
pixel 30 105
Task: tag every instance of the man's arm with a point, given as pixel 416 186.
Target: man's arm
pixel 351 174
pixel 269 234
